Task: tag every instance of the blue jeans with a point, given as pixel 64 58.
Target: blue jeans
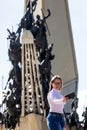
pixel 55 122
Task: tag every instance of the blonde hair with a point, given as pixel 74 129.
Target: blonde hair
pixel 53 79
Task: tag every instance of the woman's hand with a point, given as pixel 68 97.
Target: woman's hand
pixel 65 99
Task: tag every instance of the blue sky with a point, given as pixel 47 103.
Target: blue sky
pixel 11 11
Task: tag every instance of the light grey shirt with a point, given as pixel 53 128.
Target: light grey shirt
pixel 55 101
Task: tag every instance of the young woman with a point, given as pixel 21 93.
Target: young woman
pixel 55 118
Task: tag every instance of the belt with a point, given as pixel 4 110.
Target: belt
pixel 59 114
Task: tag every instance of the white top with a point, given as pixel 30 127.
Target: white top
pixel 55 101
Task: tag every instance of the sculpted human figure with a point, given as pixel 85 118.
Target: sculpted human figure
pixel 28 19
pixel 14 51
pixel 84 114
pixel 40 34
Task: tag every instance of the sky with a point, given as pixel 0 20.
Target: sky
pixel 78 15
pixel 11 11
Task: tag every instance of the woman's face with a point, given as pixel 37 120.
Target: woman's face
pixel 57 84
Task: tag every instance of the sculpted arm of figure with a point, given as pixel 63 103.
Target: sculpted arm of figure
pixel 25 4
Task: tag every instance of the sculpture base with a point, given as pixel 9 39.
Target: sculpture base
pixel 32 122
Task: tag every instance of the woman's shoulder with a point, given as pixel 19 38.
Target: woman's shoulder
pixel 52 92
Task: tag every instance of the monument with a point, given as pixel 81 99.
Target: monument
pixel 46 49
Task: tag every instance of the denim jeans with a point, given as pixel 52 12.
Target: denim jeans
pixel 55 122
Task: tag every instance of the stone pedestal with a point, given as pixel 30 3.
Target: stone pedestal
pixel 32 122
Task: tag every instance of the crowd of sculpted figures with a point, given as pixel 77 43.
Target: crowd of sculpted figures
pixel 12 98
